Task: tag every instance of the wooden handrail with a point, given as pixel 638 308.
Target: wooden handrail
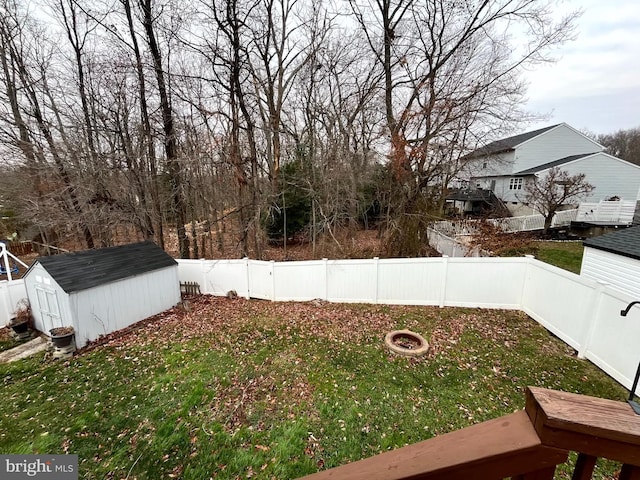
pixel 593 427
pixel 493 449
pixel 525 445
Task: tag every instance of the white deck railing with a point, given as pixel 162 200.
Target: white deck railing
pixel 609 212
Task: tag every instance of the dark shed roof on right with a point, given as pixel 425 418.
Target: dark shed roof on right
pixel 623 242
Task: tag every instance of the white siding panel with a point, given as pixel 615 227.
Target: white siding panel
pixel 113 306
pixel 554 144
pixel 622 273
pixel 611 176
pixel 492 165
pixel 504 193
pixel 483 177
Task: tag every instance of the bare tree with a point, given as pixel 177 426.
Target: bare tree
pixel 448 67
pixel 148 139
pixel 238 92
pixel 178 203
pixel 623 144
pixel 26 67
pixel 555 190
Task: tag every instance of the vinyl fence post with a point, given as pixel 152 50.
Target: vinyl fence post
pixel 203 271
pixel 530 259
pixel 272 272
pixel 326 278
pixel 376 262
pixel 246 266
pixel 445 275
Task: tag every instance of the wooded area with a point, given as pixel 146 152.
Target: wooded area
pixel 249 121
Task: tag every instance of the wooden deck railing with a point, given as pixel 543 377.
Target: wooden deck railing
pixel 526 445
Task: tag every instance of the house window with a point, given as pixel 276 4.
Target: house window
pixel 515 184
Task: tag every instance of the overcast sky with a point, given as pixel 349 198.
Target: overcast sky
pixel 595 84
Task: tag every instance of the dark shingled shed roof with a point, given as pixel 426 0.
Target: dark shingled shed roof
pixel 623 242
pixel 509 143
pixel 83 270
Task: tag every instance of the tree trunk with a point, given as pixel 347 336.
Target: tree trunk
pixel 170 143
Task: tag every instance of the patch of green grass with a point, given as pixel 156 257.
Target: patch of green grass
pixel 567 255
pixel 256 389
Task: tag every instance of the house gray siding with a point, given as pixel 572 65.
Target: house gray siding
pixel 620 272
pixel 506 194
pixel 481 170
pixel 609 175
pixel 561 141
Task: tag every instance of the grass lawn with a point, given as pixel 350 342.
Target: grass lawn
pixel 567 255
pixel 254 389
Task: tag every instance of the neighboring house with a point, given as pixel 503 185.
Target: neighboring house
pixel 100 291
pixel 614 258
pixel 505 166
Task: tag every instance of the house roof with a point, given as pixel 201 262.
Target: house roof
pixel 555 163
pixel 91 268
pixel 509 143
pixel 623 242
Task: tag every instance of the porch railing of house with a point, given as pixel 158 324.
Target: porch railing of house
pixel 534 222
pixel 524 223
pixel 526 445
pixel 621 212
pixel 616 212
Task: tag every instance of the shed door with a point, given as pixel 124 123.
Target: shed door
pixel 48 307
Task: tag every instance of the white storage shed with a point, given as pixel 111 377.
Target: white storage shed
pixel 614 258
pixel 100 291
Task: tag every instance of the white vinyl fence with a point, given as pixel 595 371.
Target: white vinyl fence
pixel 526 223
pixel 582 312
pixel 452 247
pixel 10 295
pixel 529 223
